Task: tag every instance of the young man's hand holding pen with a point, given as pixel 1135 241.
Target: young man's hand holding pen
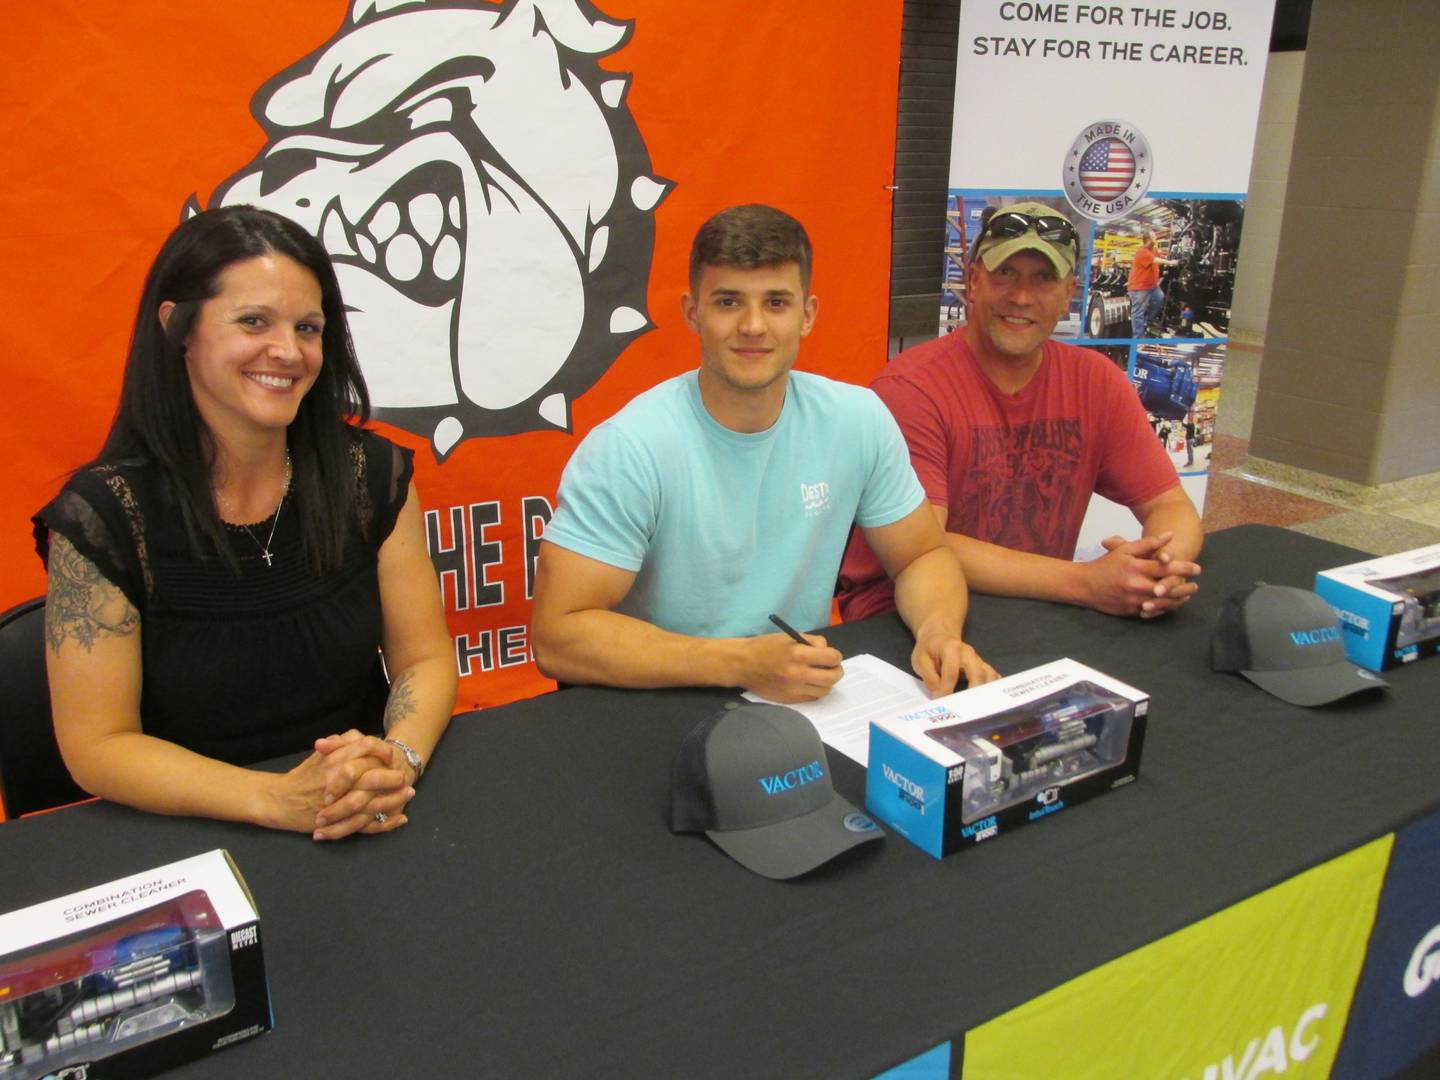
pixel 801 669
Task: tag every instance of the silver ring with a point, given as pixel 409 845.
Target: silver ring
pixel 381 817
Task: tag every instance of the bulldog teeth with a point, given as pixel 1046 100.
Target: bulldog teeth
pixel 599 241
pixel 384 222
pixel 333 233
pixel 399 238
pixel 404 258
pixel 446 261
pixel 427 216
pixel 612 91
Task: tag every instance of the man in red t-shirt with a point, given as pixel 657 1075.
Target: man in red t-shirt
pixel 1011 432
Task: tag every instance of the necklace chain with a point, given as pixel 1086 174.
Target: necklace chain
pixel 265 552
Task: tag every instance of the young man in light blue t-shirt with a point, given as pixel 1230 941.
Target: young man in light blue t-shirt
pixel 728 493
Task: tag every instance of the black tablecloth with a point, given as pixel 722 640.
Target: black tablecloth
pixel 537 918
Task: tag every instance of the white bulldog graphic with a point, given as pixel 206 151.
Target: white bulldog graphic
pixel 485 194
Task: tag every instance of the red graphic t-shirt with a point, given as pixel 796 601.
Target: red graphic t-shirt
pixel 1012 469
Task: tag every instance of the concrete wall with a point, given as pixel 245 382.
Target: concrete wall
pixel 1350 384
pixel 1269 171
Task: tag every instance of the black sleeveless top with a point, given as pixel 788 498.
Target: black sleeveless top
pixel 248 666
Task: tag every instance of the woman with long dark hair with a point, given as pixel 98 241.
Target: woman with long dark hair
pixel 223 576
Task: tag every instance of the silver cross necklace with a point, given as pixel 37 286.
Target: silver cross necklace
pixel 265 552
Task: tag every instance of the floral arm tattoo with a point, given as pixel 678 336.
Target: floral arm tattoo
pixel 81 605
pixel 402 701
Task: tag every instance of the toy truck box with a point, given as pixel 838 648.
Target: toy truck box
pixel 978 763
pixel 134 976
pixel 1389 608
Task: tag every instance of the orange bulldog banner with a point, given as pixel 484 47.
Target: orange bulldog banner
pixel 508 191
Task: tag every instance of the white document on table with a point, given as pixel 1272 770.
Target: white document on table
pixel 872 689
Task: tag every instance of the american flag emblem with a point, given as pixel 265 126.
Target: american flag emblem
pixel 1107 168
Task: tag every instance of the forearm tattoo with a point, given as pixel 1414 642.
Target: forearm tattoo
pixel 81 605
pixel 402 701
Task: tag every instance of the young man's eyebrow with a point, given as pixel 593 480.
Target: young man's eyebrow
pixel 740 292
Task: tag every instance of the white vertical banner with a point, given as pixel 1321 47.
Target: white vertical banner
pixel 1128 119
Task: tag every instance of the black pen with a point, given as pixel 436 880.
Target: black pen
pixel 794 634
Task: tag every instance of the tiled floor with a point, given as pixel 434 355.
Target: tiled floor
pixel 1243 490
pixel 1231 500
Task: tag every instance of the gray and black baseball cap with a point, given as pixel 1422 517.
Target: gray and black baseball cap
pixel 755 779
pixel 1289 643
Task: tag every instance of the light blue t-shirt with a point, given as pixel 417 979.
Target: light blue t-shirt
pixel 722 528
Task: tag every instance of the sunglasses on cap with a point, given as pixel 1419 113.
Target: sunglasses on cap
pixel 1007 224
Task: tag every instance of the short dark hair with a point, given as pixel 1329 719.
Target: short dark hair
pixel 157 420
pixel 750 237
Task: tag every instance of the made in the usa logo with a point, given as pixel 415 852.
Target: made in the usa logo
pixel 1107 169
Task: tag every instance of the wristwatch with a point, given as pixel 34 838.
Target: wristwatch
pixel 410 756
